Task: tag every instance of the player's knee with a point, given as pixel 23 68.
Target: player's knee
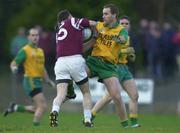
pixel 108 98
pixel 115 96
pixel 135 97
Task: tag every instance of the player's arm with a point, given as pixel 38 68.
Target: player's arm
pixel 92 23
pixel 88 45
pixel 14 67
pixel 122 37
pixel 84 22
pixel 47 79
pixel 128 50
pixel 20 57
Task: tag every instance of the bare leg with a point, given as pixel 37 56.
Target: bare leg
pixel 87 103
pixel 113 87
pixel 101 103
pixel 13 107
pixel 58 100
pixel 130 88
pixel 40 104
pixel 30 108
pixel 61 93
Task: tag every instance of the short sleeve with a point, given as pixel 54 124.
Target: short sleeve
pixel 20 57
pixel 84 22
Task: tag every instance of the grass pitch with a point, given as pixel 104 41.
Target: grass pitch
pixel 104 123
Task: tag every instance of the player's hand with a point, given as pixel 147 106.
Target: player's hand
pixel 129 50
pixel 131 57
pixel 122 39
pixel 14 69
pixel 119 39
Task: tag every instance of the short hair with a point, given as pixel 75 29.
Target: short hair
pixel 125 17
pixel 63 15
pixel 113 8
pixel 30 30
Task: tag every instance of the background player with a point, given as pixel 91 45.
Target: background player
pixel 33 62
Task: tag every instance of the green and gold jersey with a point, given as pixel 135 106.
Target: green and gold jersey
pixel 123 57
pixel 107 44
pixel 32 59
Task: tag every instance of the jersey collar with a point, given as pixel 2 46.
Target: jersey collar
pixel 32 45
pixel 113 26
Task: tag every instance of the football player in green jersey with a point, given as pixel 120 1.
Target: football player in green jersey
pixel 33 61
pixel 126 78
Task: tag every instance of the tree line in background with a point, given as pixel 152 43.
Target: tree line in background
pixel 27 13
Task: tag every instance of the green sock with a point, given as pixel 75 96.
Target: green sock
pixel 133 121
pixel 124 123
pixel 20 108
pixel 36 123
pixel 70 89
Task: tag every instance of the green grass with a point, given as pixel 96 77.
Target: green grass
pixel 104 123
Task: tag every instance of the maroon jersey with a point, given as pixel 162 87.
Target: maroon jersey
pixel 69 38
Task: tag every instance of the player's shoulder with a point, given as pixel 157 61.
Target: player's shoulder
pixel 77 20
pixel 40 49
pixel 25 47
pixel 78 23
pixel 72 21
pixel 120 26
pixel 99 24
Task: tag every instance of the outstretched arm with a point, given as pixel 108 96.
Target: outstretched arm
pixel 48 80
pixel 88 45
pixel 92 23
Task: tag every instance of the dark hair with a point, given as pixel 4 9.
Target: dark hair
pixel 113 8
pixel 125 17
pixel 62 15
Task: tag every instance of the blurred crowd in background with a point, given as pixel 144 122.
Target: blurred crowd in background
pixel 157 48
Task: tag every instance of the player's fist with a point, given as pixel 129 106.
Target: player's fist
pixel 129 50
pixel 131 57
pixel 14 69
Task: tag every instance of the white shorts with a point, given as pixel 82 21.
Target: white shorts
pixel 69 68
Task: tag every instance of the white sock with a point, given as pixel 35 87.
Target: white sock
pixel 87 115
pixel 55 108
pixel 15 107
